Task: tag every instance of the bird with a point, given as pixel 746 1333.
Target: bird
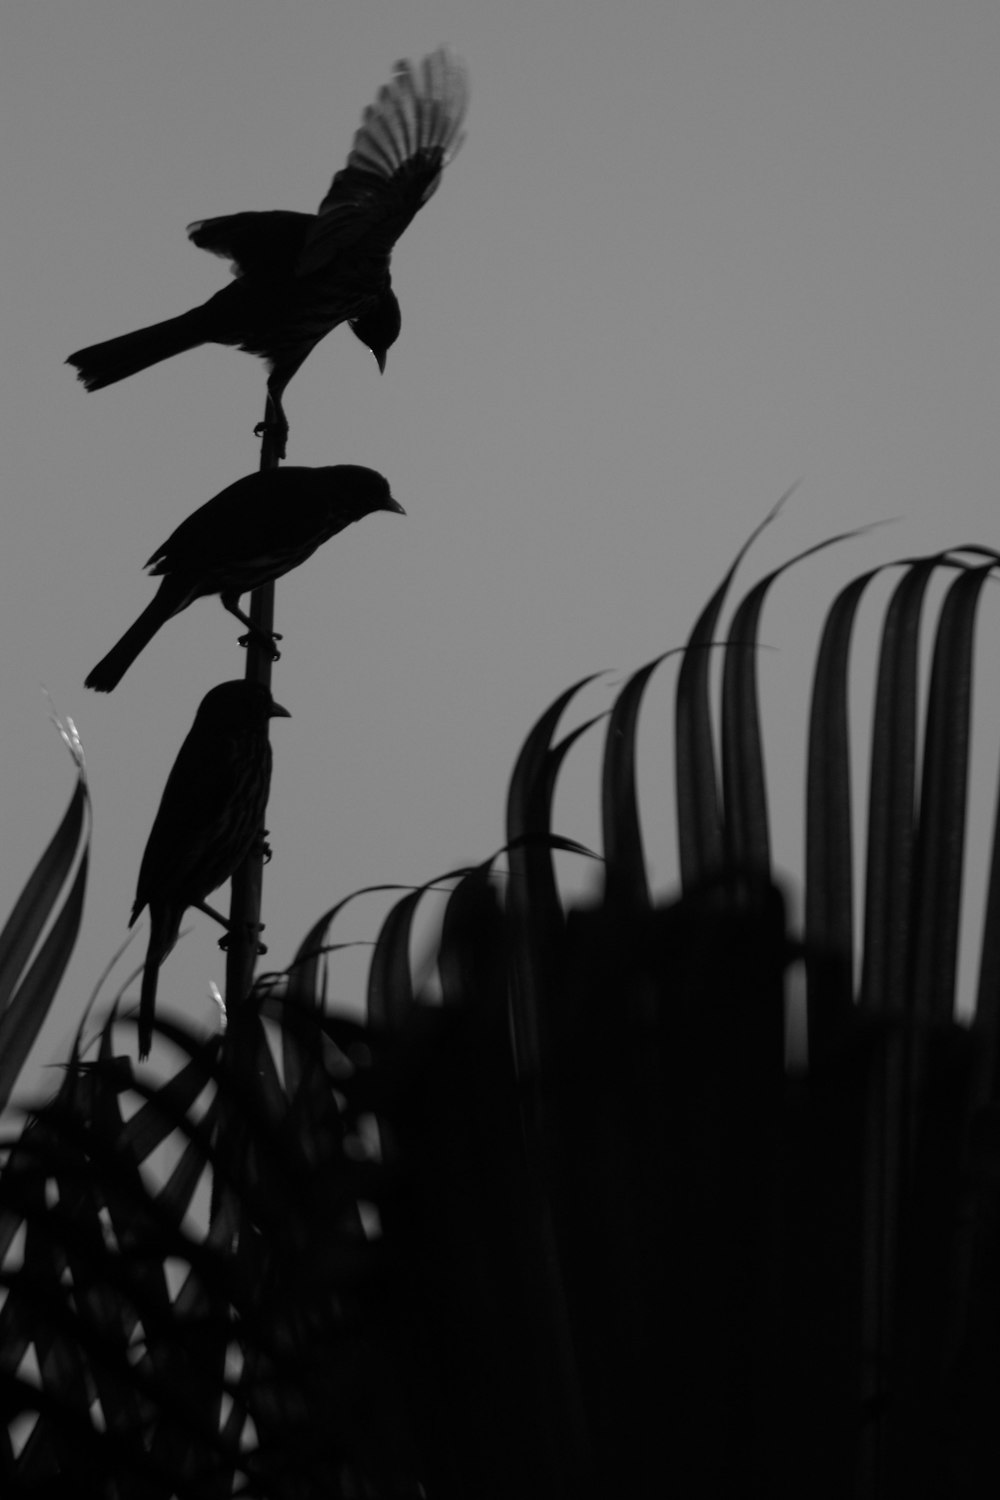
pixel 299 275
pixel 210 816
pixel 253 531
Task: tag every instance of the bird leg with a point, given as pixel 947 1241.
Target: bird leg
pixel 210 911
pixel 265 638
pixel 217 916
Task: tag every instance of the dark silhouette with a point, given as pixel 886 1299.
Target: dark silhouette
pixel 210 815
pixel 250 533
pixel 299 275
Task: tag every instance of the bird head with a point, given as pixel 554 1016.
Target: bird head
pixel 378 326
pixel 234 706
pixel 355 491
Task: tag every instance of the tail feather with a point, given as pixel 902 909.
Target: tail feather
pixel 147 998
pixel 114 360
pixel 164 927
pixel 112 668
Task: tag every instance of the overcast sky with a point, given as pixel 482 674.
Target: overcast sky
pixel 690 253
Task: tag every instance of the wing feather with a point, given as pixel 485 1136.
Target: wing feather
pixel 405 140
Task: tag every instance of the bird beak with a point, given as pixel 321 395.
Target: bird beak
pixel 393 504
pixel 380 360
pixel 277 712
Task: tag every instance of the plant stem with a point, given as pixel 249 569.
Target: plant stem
pixel 244 906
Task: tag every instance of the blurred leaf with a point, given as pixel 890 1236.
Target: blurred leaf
pixel 892 794
pixel 307 968
pixel 941 840
pixel 829 882
pixel 390 997
pixel 23 1009
pixel 747 841
pixel 699 810
pixel 532 897
pixel 621 834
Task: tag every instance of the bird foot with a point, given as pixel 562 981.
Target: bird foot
pixel 265 638
pixel 277 432
pixel 257 928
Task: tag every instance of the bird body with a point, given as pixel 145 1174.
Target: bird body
pixel 300 275
pixel 252 532
pixel 210 815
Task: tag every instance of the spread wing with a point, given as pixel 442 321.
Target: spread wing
pixel 405 140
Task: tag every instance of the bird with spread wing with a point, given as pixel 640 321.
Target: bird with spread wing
pixel 296 275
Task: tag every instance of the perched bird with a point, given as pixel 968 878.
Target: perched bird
pixel 251 532
pixel 210 815
pixel 299 275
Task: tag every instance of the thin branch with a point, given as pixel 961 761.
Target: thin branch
pixel 244 908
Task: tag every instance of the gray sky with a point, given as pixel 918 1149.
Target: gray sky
pixel 690 253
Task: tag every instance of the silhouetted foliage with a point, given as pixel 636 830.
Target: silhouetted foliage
pixel 572 1226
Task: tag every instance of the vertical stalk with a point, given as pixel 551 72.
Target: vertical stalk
pixel 244 906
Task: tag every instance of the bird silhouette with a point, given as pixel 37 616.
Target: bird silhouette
pixel 210 815
pixel 250 533
pixel 297 276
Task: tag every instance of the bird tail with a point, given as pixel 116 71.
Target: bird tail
pixel 112 668
pixel 147 999
pixel 164 926
pixel 104 364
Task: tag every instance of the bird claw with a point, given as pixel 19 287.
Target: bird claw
pixel 277 432
pixel 265 638
pixel 258 928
